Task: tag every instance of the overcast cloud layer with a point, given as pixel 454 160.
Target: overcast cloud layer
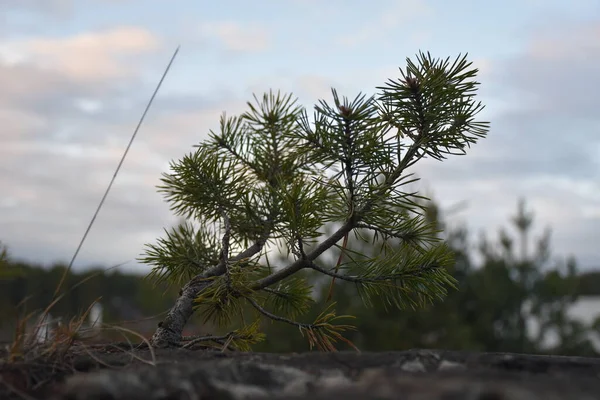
pixel 75 76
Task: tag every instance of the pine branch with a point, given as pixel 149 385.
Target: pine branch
pixel 276 317
pixel 376 279
pixel 269 175
pixel 337 266
pixel 320 333
pixel 303 263
pixel 342 231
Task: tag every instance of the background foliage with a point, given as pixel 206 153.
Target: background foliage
pixel 515 280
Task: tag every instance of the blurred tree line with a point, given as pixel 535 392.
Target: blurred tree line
pixel 497 301
pixel 33 287
pixel 28 289
pixel 515 287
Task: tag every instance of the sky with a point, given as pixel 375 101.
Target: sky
pixel 75 76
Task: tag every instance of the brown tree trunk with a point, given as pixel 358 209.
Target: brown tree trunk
pixel 170 330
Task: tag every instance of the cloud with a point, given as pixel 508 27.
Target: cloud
pixel 38 6
pixel 66 157
pixel 236 37
pixel 544 146
pixel 58 185
pixel 46 7
pixel 51 87
pixel 568 43
pixel 399 13
pixel 555 128
pixel 96 56
pixel 558 70
pixel 64 129
pixel 69 105
pixel 27 16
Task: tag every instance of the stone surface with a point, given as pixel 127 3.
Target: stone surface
pixel 409 375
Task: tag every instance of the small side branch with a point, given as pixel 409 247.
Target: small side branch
pixel 239 157
pixel 303 263
pixel 300 252
pixel 169 330
pixel 193 340
pixel 274 317
pixel 383 231
pixel 383 278
pixel 225 241
pixel 224 261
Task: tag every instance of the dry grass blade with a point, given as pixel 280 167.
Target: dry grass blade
pixel 29 342
pixel 148 105
pixel 150 348
pixel 151 362
pixel 15 390
pixel 26 350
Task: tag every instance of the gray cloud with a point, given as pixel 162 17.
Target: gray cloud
pixel 543 145
pixel 63 134
pixel 63 137
pixel 558 72
pixel 39 6
pixel 529 143
pixel 54 185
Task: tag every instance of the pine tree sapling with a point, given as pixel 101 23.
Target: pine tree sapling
pixel 271 177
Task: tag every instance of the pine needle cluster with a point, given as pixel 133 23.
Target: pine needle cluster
pixel 275 177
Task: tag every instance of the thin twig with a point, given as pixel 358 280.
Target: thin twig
pixel 277 317
pixel 197 339
pixel 116 171
pixel 381 278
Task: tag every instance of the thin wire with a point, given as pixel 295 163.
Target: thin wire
pixel 117 170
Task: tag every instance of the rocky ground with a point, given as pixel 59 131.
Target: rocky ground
pixel 107 372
